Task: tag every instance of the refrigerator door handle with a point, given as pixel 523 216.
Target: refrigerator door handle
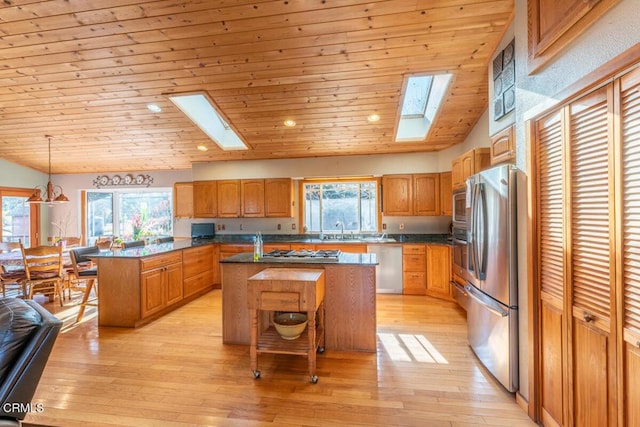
pixel 477 234
pixel 486 302
pixel 481 232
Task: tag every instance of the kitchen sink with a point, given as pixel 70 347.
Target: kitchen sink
pixel 377 240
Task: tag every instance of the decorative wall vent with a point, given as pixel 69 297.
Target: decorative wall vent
pixel 117 180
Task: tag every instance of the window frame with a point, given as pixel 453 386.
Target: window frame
pixel 34 213
pixel 359 180
pixel 116 206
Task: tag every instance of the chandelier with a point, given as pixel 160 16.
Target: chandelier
pixel 51 193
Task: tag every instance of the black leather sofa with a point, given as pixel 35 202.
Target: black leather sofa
pixel 27 335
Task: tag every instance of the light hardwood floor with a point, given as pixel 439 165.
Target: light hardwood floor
pixel 176 372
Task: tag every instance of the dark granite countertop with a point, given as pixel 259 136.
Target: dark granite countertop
pixel 158 249
pixel 343 259
pixel 348 239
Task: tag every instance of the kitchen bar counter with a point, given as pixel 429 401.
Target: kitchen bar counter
pixel 350 298
pixel 137 285
pixel 348 239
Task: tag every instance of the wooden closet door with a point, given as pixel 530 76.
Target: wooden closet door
pixel 630 345
pixel 592 249
pixel 551 268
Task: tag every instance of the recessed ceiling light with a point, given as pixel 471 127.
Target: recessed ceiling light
pixel 289 123
pixel 372 118
pixel 202 147
pixel 154 108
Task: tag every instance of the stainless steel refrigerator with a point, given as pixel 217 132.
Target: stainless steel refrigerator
pixel 492 315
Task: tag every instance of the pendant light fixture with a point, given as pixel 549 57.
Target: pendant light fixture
pixel 51 193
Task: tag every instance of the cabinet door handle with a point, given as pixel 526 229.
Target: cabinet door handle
pixel 588 317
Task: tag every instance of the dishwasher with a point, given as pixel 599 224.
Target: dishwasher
pixel 389 268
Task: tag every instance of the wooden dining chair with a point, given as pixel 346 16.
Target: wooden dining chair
pixel 104 242
pixel 85 272
pixel 44 269
pixel 73 242
pixel 133 244
pixel 12 277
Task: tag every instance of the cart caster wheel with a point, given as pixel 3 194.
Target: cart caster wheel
pixel 320 350
pixel 314 379
pixel 256 374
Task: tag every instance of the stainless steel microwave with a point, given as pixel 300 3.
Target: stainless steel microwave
pixel 459 207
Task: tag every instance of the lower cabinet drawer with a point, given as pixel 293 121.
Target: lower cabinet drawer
pixel 197 283
pixel 414 283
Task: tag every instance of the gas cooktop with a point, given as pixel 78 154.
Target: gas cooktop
pixel 304 254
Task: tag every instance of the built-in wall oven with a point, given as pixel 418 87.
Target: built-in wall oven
pixel 460 208
pixel 460 264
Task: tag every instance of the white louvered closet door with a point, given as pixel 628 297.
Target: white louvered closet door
pixel 591 279
pixel 630 136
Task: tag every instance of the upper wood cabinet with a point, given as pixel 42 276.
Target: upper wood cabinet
pixel 183 199
pixel 503 146
pixel 471 162
pixel 234 198
pixel 278 197
pixel 405 195
pixel 446 194
pixel 252 198
pixel 205 199
pixel 397 195
pixel 426 194
pixel 229 198
pixel 554 24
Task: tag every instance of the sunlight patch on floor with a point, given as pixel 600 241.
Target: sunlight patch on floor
pixel 409 347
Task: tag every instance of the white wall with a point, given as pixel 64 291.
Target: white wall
pixel 74 184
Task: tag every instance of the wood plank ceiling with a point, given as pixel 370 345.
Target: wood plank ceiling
pixel 84 71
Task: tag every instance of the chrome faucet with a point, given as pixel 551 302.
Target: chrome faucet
pixel 341 225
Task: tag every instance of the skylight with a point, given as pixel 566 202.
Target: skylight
pixel 201 111
pixel 422 98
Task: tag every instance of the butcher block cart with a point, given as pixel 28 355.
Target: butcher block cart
pixel 288 290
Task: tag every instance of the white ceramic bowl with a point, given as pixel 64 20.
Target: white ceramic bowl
pixel 290 325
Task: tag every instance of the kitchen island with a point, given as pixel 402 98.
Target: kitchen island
pixel 350 297
pixel 140 284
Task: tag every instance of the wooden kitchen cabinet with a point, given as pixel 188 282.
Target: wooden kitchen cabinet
pixel 407 195
pixel 397 195
pixel 229 198
pixel 554 24
pixel 252 198
pixel 446 194
pixel 426 194
pixel 205 199
pixel 161 282
pixel 197 269
pixel 502 146
pixel 278 197
pixel 414 269
pixel 183 199
pixel 439 271
pixel 471 162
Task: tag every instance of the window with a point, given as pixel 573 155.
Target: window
pixel 130 215
pixel 331 206
pixel 19 218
